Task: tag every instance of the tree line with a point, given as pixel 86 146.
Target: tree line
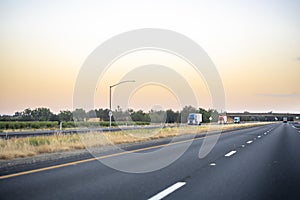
pixel 154 116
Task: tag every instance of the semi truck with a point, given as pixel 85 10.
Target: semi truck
pixel 284 119
pixel 222 119
pixel 194 119
pixel 236 119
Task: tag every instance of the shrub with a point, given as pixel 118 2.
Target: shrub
pixel 27 125
pixel 37 141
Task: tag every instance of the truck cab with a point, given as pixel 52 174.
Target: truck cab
pixel 194 119
pixel 222 119
pixel 236 119
pixel 284 119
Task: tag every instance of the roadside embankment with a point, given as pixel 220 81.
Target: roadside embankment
pixel 31 146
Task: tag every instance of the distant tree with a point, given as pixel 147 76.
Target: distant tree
pixel 17 115
pixel 185 113
pixel 54 117
pixel 65 115
pixel 130 110
pixel 102 114
pixel 213 114
pixel 7 118
pixel 79 114
pixel 140 116
pixel 91 114
pixel 27 115
pixel 171 116
pixel 120 115
pixel 205 115
pixel 41 114
pixel 157 116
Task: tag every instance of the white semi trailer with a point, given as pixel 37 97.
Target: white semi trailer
pixel 222 119
pixel 194 119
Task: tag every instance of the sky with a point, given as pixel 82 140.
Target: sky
pixel 255 46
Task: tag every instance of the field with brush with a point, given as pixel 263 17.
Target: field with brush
pixel 49 125
pixel 30 146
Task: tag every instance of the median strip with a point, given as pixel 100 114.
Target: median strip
pixel 168 191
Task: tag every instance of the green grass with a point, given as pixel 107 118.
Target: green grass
pixel 37 141
pixel 27 125
pixel 54 125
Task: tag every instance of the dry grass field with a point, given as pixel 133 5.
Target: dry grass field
pixel 30 146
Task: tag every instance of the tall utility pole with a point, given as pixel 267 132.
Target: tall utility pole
pixel 110 111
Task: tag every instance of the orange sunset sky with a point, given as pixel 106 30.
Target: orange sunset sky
pixel 255 46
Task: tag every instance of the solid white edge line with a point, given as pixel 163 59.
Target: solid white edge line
pixel 249 142
pixel 167 191
pixel 230 153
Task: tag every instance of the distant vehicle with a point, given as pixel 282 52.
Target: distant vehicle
pixel 284 120
pixel 222 119
pixel 236 119
pixel 194 119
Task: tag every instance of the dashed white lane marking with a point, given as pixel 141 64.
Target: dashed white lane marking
pixel 168 191
pixel 259 136
pixel 249 142
pixel 230 153
pixel 213 164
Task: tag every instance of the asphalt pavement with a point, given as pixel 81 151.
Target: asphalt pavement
pixel 254 163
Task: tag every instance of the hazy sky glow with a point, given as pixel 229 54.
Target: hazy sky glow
pixel 254 44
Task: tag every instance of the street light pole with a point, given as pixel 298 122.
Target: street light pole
pixel 111 86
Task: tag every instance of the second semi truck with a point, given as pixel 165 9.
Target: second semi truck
pixel 236 119
pixel 194 119
pixel 222 119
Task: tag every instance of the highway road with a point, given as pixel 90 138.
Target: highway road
pixel 254 163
